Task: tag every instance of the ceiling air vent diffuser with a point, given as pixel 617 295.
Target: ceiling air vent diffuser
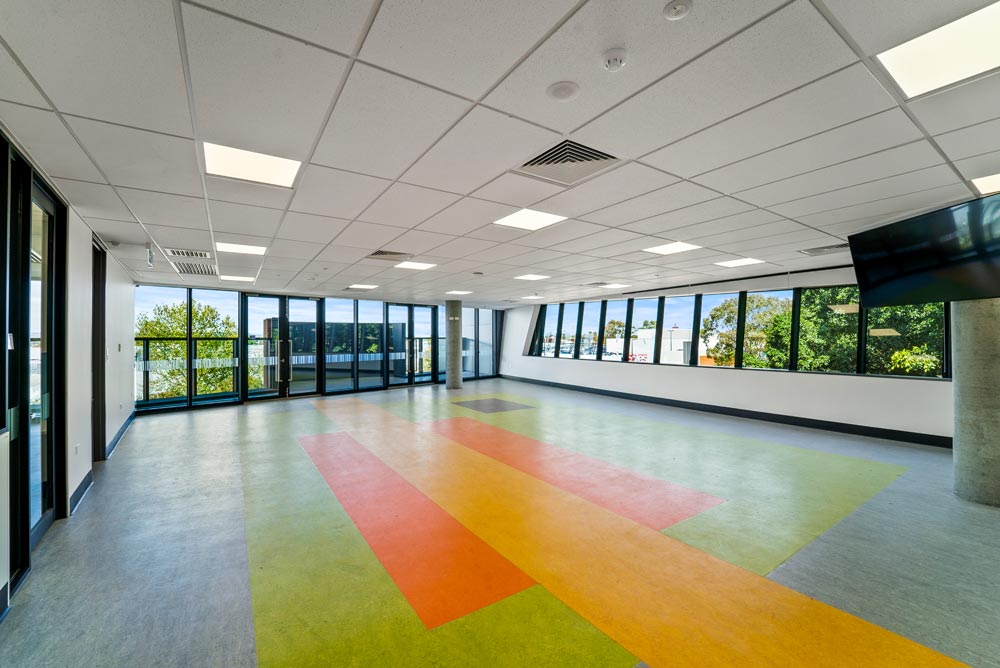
pixel 183 252
pixel 390 256
pixel 825 250
pixel 567 162
pixel 195 268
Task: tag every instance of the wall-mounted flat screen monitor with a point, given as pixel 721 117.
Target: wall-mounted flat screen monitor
pixel 950 254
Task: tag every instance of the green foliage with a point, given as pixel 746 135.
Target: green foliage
pixel 919 348
pixel 614 329
pixel 916 361
pixel 828 337
pixel 768 334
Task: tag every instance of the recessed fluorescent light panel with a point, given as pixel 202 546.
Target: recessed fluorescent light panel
pixel 532 277
pixel 670 249
pixel 533 297
pixel 240 248
pixel 526 219
pixel 987 185
pixel 361 286
pixel 420 266
pixel 615 286
pixel 249 166
pixel 459 292
pixel 953 52
pixel 742 262
pixel 244 279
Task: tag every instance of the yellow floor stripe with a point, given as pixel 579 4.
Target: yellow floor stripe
pixel 666 602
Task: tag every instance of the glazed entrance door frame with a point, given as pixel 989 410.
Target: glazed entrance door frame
pixel 273 365
pixel 303 357
pixel 406 349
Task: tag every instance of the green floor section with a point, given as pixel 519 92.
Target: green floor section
pixel 322 598
pixel 779 498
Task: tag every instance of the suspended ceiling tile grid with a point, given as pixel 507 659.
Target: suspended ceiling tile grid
pixel 751 128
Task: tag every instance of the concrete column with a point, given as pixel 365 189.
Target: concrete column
pixel 453 334
pixel 976 387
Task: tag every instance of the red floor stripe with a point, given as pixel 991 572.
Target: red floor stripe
pixel 655 503
pixel 443 569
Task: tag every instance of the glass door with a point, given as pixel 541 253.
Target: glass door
pixel 399 345
pixel 411 344
pixel 422 346
pixel 303 372
pixel 264 346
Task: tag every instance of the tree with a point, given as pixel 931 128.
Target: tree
pixel 168 358
pixel 828 329
pixel 766 337
pixel 614 329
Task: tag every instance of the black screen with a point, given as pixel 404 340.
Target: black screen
pixel 948 255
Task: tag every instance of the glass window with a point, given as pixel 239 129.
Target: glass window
pixel 339 344
pixel 567 335
pixel 906 340
pixel 828 329
pixel 767 334
pixel 215 338
pixel 263 345
pixel 442 342
pixel 642 338
pixel 161 345
pixel 549 330
pixel 486 342
pixel 591 327
pixel 614 330
pixel 718 329
pixel 468 342
pixel 678 315
pixel 370 343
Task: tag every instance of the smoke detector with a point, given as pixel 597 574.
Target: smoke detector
pixel 564 91
pixel 614 59
pixel 676 10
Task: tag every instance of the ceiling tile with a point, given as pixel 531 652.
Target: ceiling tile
pixel 154 208
pixel 967 142
pixel 116 231
pixel 536 258
pixel 344 254
pixel 620 184
pixel 245 239
pixel 368 235
pixel 240 218
pixel 15 85
pixel 244 192
pixel 482 146
pixel 517 190
pixel 140 159
pixel 403 205
pixel 256 90
pixel 463 247
pixel 736 222
pixel 953 108
pixel 788 49
pixel 104 59
pixel 923 179
pixel 593 238
pixel 497 253
pixel 906 158
pixel 498 233
pixel 659 201
pixel 93 200
pixel 382 123
pixel 336 24
pixel 302 250
pixel 466 215
pixel 933 198
pixel 784 231
pixel 463 47
pixel 47 141
pixel 306 227
pixel 284 264
pixel 987 164
pixel 881 131
pixel 418 241
pixel 179 237
pixel 574 53
pixel 878 26
pixel 624 247
pixel 333 192
pixel 715 208
pixel 559 233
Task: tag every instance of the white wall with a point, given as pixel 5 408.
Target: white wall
pixel 79 314
pixel 906 404
pixel 119 333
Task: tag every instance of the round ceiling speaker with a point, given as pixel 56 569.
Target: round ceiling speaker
pixel 676 10
pixel 564 91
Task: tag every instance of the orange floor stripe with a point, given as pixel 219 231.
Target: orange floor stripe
pixel 656 503
pixel 666 602
pixel 443 570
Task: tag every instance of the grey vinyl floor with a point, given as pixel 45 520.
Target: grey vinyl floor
pixel 152 570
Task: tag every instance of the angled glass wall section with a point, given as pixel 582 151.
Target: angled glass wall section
pixel 215 317
pixel 567 335
pixel 828 329
pixel 719 319
pixel 678 316
pixel 767 333
pixel 590 330
pixel 371 344
pixel 906 340
pixel 614 330
pixel 339 342
pixel 161 346
pixel 642 334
